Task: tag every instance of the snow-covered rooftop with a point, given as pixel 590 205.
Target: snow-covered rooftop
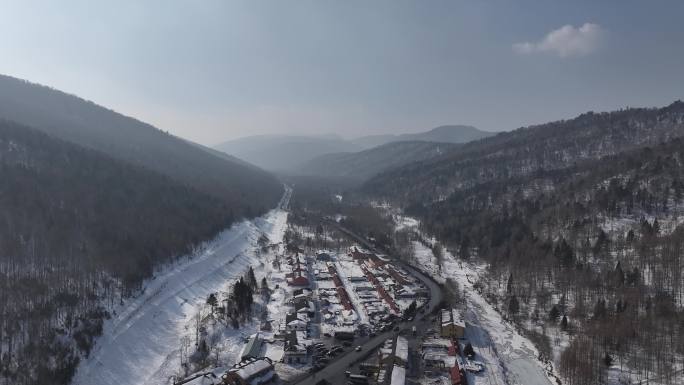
pixel 398 375
pixel 401 349
pixel 252 368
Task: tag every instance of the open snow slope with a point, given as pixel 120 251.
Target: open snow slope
pixel 141 343
pixel 509 357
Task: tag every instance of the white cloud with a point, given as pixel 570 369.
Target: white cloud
pixel 566 41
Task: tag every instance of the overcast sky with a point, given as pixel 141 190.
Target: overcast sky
pixel 212 70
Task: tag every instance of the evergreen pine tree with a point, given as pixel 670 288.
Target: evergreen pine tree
pixel 513 306
pixel 554 313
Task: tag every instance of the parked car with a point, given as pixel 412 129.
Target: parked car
pixel 474 366
pixel 358 379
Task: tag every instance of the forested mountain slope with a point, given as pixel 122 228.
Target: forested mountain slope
pixel 80 229
pixel 521 152
pixel 248 190
pixel 581 228
pixel 591 254
pixel 364 164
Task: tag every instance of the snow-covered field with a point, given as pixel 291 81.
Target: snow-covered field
pixel 509 357
pixel 141 343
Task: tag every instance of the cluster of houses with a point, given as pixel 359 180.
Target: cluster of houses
pixel 298 275
pixel 442 353
pixel 388 366
pixel 361 287
pixel 341 291
pixel 296 325
pixel 383 288
pixel 294 329
pixel 393 356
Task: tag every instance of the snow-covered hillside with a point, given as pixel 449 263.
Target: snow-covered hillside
pixel 510 358
pixel 141 343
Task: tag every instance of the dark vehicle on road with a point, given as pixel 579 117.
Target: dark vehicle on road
pixel 344 335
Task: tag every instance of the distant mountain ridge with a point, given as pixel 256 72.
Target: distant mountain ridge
pixel 527 150
pixel 441 134
pixel 364 164
pixel 290 152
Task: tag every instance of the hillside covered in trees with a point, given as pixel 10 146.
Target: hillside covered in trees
pixel 79 230
pixel 525 151
pixel 580 223
pixel 247 189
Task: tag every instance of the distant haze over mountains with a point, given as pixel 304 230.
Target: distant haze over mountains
pixel 525 151
pixel 359 166
pixel 441 134
pixel 289 153
pixel 284 152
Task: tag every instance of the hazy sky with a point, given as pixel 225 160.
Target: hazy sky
pixel 213 70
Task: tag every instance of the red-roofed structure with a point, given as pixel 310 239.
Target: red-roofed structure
pixel 341 291
pixel 398 277
pixel 381 290
pixel 457 377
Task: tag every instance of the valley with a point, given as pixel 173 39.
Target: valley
pixel 340 193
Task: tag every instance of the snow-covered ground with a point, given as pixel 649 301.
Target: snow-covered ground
pixel 141 343
pixel 509 357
